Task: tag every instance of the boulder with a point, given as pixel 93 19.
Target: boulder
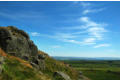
pixel 61 75
pixel 80 73
pixel 40 56
pixel 34 65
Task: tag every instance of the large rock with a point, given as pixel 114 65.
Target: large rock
pixel 61 75
pixel 17 43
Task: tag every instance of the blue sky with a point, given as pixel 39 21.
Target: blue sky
pixel 67 28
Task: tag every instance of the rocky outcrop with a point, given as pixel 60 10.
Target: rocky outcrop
pixel 17 43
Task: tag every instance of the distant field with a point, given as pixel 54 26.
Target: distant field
pixel 97 70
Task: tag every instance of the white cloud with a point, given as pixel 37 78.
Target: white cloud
pixel 84 19
pixel 64 36
pixel 82 3
pixel 72 41
pixel 88 33
pixel 86 11
pixel 97 32
pixel 94 29
pixel 85 4
pixel 89 40
pixel 92 11
pixel 102 45
pixel 87 22
pixel 35 34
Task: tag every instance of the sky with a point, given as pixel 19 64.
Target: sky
pixel 67 28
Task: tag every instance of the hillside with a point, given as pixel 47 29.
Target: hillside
pixel 20 59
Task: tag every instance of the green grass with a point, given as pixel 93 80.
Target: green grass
pixel 53 66
pixel 97 70
pixel 14 70
pixel 96 64
pixel 101 75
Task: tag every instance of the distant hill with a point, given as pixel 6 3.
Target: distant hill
pixel 85 58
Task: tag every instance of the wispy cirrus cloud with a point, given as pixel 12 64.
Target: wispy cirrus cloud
pixel 102 45
pixel 35 34
pixel 88 7
pixel 85 4
pixel 82 3
pixel 65 37
pixel 88 32
pixel 87 11
pixel 20 15
pixel 92 30
pixel 89 40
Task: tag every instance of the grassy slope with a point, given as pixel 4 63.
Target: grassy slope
pixel 15 68
pixel 53 65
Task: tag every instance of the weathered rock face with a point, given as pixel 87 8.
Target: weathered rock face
pixel 16 42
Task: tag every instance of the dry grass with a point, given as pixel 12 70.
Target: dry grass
pixel 2 53
pixel 21 61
